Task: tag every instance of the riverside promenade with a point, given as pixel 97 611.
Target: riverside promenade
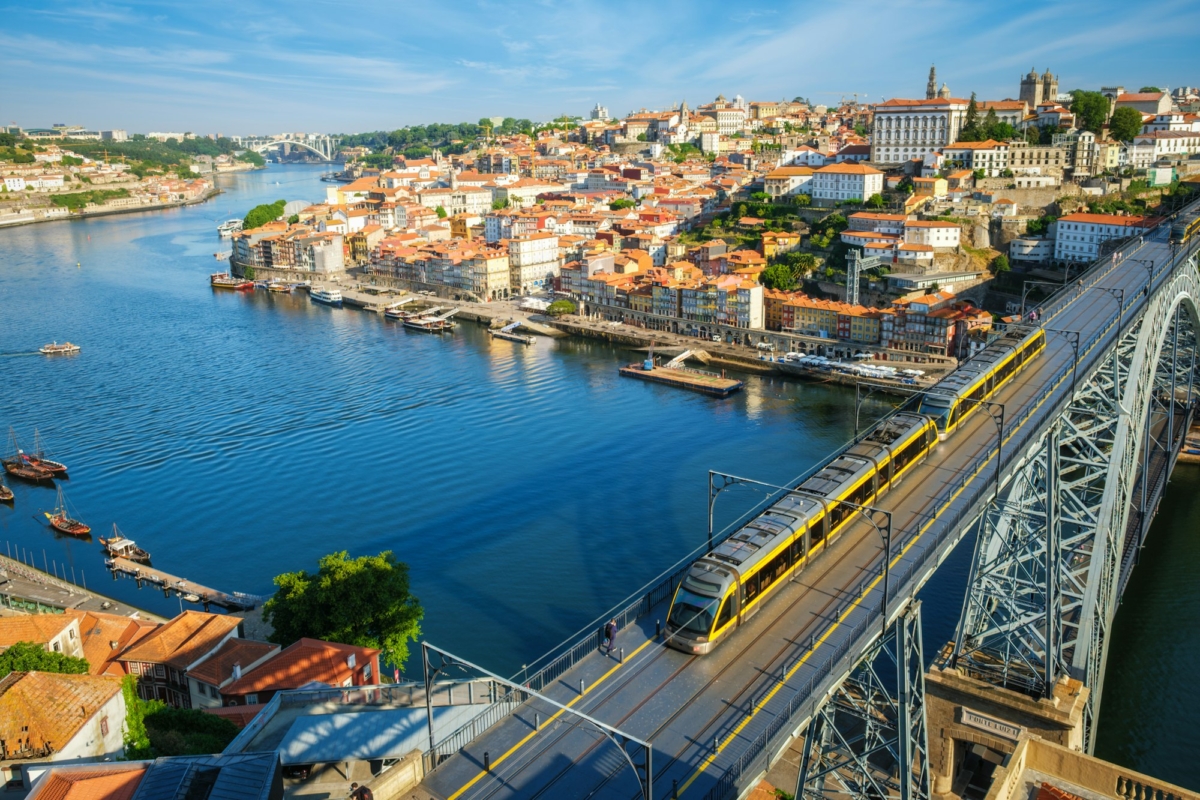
pixel 27 589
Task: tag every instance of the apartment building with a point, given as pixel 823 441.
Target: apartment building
pixel 906 129
pixel 533 261
pixel 846 181
pixel 1081 237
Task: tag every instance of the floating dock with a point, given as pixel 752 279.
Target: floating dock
pixel 182 586
pixel 709 383
pixel 509 332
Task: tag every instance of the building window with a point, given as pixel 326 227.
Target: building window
pixel 252 699
pixel 104 726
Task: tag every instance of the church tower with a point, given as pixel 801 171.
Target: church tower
pixel 944 92
pixel 1049 87
pixel 1031 89
pixel 931 90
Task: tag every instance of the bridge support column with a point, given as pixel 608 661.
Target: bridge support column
pixel 870 740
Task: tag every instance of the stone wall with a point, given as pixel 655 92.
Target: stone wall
pixel 403 776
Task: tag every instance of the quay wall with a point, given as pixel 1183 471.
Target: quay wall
pixel 33 216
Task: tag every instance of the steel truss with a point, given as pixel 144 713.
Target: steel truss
pixel 1046 576
pixel 869 740
pixel 638 754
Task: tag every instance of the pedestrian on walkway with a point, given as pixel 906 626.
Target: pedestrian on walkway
pixel 610 635
pixel 360 792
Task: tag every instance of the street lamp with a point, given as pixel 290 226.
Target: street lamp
pixel 858 403
pixel 1025 292
pixel 1074 342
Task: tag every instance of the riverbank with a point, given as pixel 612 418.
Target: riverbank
pixel 58 214
pixel 25 589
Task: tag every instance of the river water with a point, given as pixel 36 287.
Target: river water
pixel 236 436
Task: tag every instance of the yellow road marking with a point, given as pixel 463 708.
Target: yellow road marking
pixel 550 719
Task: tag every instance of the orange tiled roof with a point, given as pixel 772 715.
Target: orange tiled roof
pixel 218 667
pixel 52 707
pixel 850 168
pixel 37 628
pixel 303 662
pixel 183 640
pixel 1105 219
pixel 106 635
pixel 112 783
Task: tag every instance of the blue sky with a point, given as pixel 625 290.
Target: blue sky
pixel 258 67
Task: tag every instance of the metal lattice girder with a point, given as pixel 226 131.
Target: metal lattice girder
pixel 1045 579
pixel 869 740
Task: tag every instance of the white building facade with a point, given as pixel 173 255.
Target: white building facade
pixel 908 129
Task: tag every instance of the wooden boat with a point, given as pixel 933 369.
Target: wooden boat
pixel 6 494
pixel 118 546
pixel 18 464
pixel 61 520
pixel 223 280
pixel 38 457
pixel 56 349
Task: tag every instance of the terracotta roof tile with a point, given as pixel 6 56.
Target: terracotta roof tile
pixel 114 783
pixel 183 640
pixel 218 668
pixel 38 628
pixel 106 635
pixel 305 661
pixel 54 707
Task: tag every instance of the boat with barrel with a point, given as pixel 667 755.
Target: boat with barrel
pixel 119 546
pixel 223 280
pixel 38 457
pixel 56 349
pixel 19 465
pixel 62 521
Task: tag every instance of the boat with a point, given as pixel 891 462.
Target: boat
pixel 192 598
pixel 118 546
pixel 330 297
pixel 19 465
pixel 223 280
pixel 221 256
pixel 229 227
pixel 55 349
pixel 276 286
pixel 38 457
pixel 61 520
pixel 429 324
pixel 6 494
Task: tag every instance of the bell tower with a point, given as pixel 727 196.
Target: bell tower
pixel 931 88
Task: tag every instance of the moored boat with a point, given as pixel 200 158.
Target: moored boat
pixel 56 349
pixel 6 494
pixel 18 464
pixel 223 280
pixel 229 227
pixel 429 324
pixel 276 286
pixel 38 457
pixel 63 522
pixel 118 546
pixel 330 297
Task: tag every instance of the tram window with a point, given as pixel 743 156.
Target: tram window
pixel 726 611
pixel 751 588
pixel 797 549
pixel 776 567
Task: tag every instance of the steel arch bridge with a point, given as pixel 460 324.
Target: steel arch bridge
pixel 1053 553
pixel 323 145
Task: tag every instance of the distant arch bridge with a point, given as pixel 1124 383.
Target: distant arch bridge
pixel 321 144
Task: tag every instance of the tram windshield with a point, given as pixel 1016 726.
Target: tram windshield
pixel 693 612
pixel 938 408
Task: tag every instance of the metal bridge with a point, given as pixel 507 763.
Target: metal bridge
pixel 322 144
pixel 1059 479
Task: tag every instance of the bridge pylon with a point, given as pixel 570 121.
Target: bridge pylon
pixel 869 740
pixel 1054 550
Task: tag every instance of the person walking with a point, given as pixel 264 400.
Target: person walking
pixel 610 635
pixel 360 792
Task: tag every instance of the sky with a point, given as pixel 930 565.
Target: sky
pixel 339 67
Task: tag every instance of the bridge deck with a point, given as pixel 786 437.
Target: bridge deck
pixel 680 703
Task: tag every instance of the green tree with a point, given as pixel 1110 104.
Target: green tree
pixel 441 212
pixel 186 731
pixel 1000 264
pixel 499 204
pixel 641 137
pixel 778 276
pixel 760 197
pixel 362 601
pixel 620 203
pixel 293 219
pixel 875 201
pixel 137 741
pixel 802 200
pixel 32 657
pixel 560 307
pixel 1090 109
pixel 1125 124
pixel 262 214
pixel 1149 89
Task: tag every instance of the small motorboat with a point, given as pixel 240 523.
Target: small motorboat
pixel 6 494
pixel 56 349
pixel 192 598
pixel 118 546
pixel 61 520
